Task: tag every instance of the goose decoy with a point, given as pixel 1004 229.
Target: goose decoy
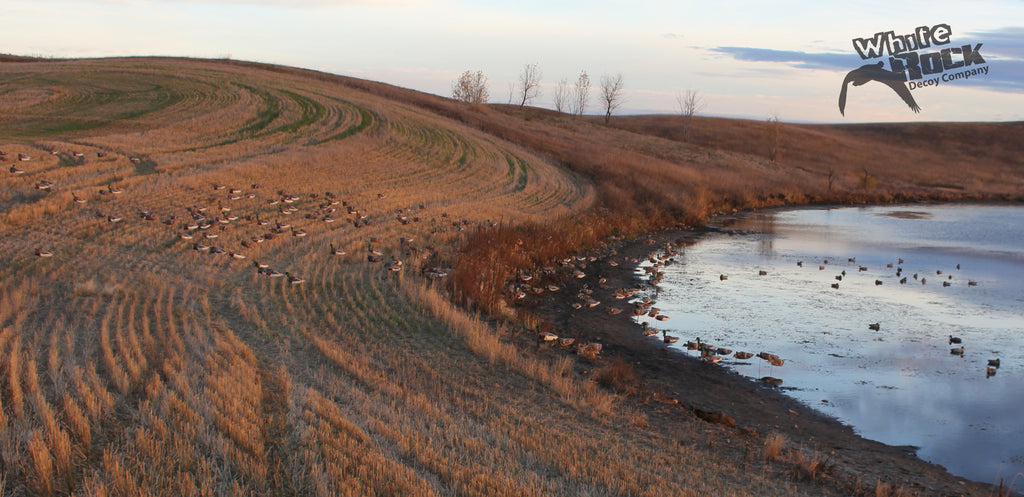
pixel 336 251
pixel 43 253
pixel 294 280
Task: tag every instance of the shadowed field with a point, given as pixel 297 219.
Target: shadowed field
pixel 200 288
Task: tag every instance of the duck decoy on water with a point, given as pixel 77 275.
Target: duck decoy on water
pixel 957 351
pixel 993 362
pixel 953 339
pixel 875 326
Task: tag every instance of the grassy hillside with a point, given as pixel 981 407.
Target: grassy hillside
pixel 143 352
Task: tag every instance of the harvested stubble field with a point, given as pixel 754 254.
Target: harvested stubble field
pixel 144 352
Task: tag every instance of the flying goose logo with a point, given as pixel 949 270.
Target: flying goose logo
pixel 875 72
pixel 910 67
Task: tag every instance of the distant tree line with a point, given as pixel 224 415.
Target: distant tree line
pixel 573 97
pixel 471 87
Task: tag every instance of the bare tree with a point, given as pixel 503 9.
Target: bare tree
pixel 689 105
pixel 471 88
pixel 561 95
pixel 772 131
pixel 529 84
pixel 511 92
pixel 611 94
pixel 580 94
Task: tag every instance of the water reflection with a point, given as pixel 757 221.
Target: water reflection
pixel 899 384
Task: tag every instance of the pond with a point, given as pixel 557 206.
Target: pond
pixel 961 276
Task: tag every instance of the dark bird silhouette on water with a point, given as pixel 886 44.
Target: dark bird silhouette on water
pixel 874 72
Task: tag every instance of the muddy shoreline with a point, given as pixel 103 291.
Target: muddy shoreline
pixel 675 386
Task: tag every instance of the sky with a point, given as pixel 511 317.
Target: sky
pixel 755 60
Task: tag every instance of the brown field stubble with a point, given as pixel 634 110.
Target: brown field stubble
pixel 132 363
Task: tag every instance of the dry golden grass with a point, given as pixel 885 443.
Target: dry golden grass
pixel 132 364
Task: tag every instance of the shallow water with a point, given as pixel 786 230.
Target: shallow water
pixel 899 385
